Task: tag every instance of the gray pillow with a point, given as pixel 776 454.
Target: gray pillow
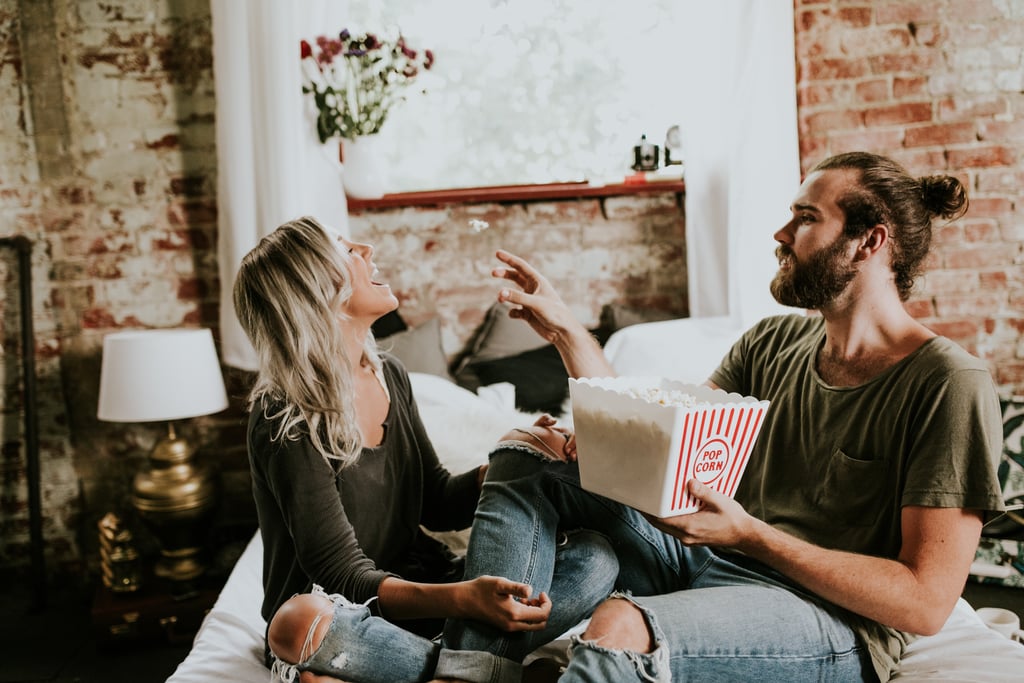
pixel 419 349
pixel 501 336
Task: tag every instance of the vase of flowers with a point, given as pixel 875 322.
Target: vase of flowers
pixel 353 82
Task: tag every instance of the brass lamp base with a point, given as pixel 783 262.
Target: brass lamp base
pixel 175 496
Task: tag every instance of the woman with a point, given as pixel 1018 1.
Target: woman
pixel 344 476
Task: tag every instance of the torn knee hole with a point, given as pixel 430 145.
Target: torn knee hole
pixel 299 627
pixel 620 624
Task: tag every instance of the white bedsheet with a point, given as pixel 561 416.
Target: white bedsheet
pixel 229 645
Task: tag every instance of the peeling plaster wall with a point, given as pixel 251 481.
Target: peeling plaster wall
pixel 107 163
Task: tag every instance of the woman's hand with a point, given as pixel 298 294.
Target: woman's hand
pixel 721 522
pixel 505 604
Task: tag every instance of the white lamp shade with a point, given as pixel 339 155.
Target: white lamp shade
pixel 160 375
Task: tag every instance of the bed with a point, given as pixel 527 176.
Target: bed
pixel 463 424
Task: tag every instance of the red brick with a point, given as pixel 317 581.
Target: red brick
pixel 1001 131
pixel 981 157
pixel 1004 180
pixel 919 160
pixel 854 17
pixel 909 112
pixel 990 207
pixel 813 148
pixel 828 121
pixel 964 108
pixel 909 86
pixel 832 94
pixel 920 308
pixel 947 234
pixel 881 141
pixel 915 63
pixel 981 231
pixel 907 12
pixel 956 329
pixel 828 69
pixel 876 40
pixel 966 305
pixel 939 134
pixel 927 34
pixel 941 282
pixel 1010 373
pixel 875 90
pixel 979 256
pixel 996 279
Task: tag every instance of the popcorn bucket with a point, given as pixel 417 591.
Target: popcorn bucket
pixel 641 452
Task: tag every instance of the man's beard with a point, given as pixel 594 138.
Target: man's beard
pixel 818 281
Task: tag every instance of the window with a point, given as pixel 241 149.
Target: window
pixel 528 91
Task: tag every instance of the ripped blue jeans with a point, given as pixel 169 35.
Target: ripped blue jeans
pixel 577 568
pixel 714 616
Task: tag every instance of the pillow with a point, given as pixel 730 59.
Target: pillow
pixel 419 349
pixel 614 317
pixel 500 336
pixel 542 384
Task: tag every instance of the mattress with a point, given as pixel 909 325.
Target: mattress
pixel 229 645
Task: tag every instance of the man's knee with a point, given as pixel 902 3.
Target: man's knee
pixel 292 625
pixel 618 624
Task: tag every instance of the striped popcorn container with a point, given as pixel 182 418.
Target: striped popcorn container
pixel 639 440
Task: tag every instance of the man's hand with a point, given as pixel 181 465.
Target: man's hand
pixel 537 303
pixel 504 604
pixel 721 522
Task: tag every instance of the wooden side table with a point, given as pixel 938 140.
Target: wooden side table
pixel 153 614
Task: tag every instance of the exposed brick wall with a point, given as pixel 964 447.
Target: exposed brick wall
pixel 107 163
pixel 936 84
pixel 627 250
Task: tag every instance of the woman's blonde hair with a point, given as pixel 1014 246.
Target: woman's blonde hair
pixel 288 296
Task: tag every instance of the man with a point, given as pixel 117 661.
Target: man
pixel 858 517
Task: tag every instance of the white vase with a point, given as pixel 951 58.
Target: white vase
pixel 363 168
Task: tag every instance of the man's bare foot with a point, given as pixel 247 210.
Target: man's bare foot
pixel 547 436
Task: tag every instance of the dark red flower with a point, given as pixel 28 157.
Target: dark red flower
pixel 307 49
pixel 429 55
pixel 371 42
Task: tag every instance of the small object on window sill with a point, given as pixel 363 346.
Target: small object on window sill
pixel 646 155
pixel 667 174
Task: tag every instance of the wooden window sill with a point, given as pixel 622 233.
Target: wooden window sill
pixel 514 193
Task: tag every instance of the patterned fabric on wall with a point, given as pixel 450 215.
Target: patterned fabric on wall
pixel 1000 556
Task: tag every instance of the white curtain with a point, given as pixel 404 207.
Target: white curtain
pixel 270 166
pixel 741 151
pixel 736 73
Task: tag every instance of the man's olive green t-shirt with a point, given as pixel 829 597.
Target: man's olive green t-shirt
pixel 835 465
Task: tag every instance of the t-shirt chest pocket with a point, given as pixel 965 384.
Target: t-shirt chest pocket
pixel 854 491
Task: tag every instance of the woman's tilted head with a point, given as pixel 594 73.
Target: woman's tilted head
pixel 288 296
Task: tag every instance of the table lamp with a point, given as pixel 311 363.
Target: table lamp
pixel 162 376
